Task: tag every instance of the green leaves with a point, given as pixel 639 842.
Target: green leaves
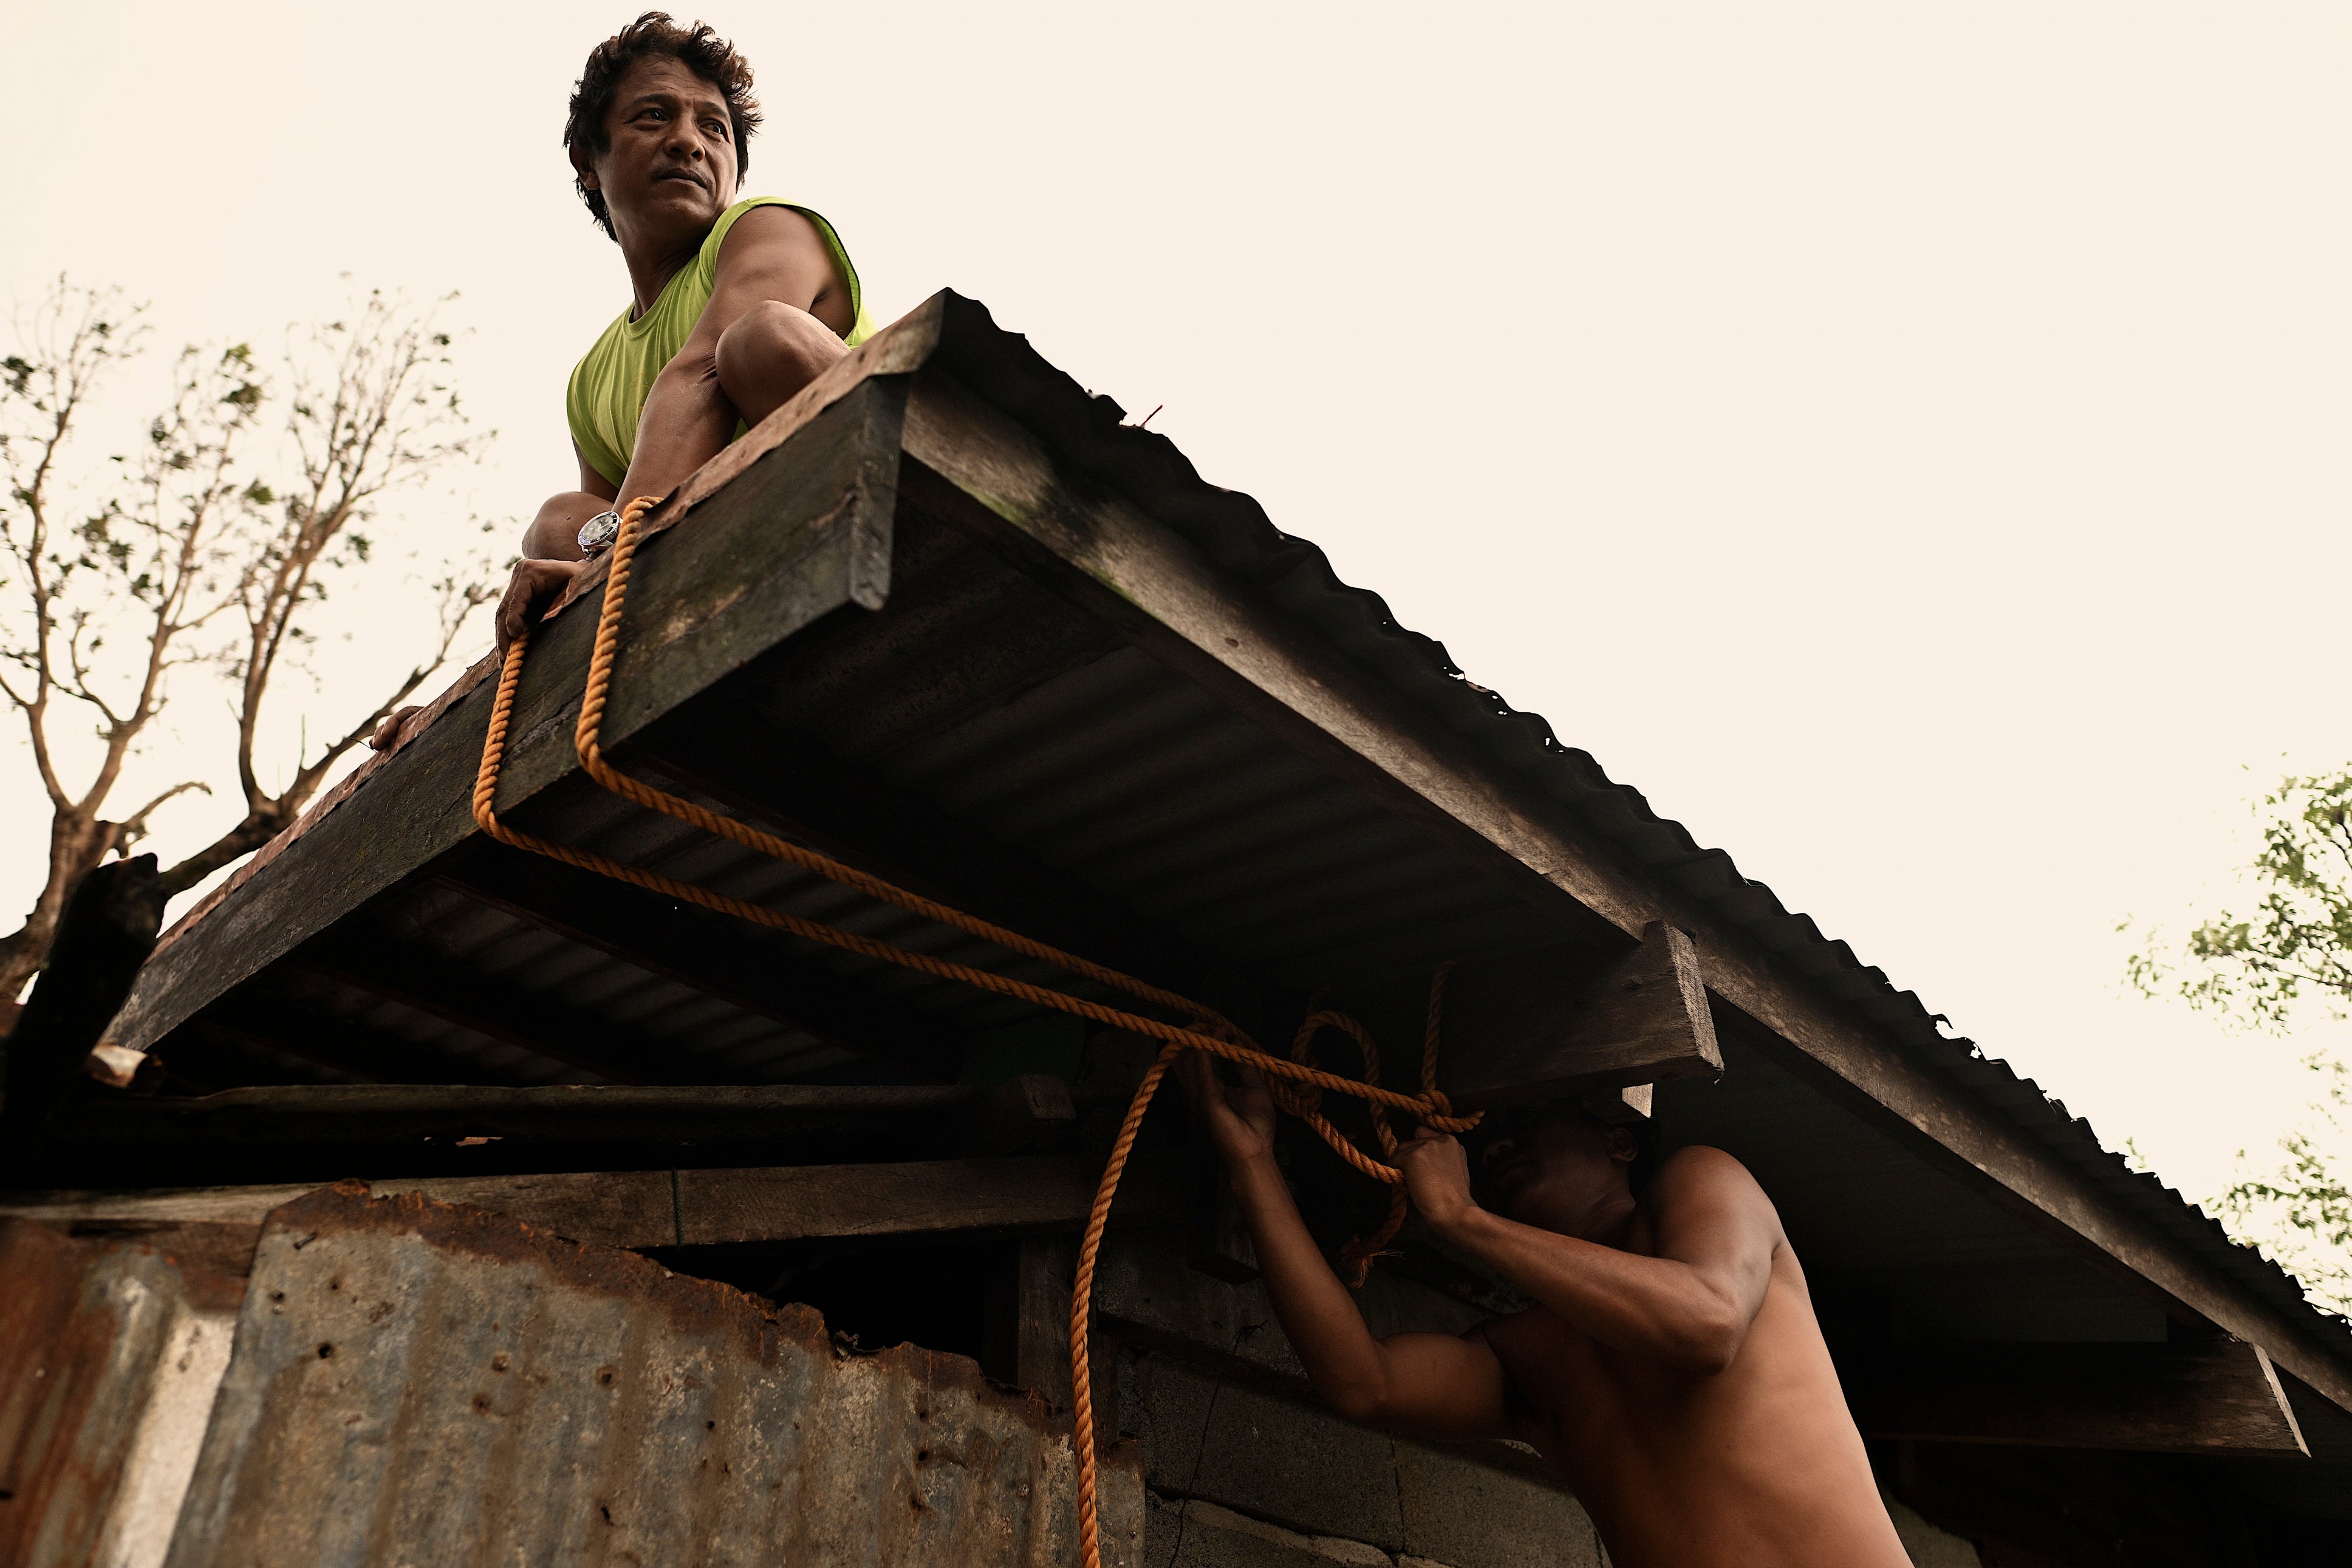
pixel 2269 969
pixel 2301 1211
pixel 2294 950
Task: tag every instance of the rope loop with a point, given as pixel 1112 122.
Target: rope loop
pixel 1297 1083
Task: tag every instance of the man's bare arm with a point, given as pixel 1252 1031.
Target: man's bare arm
pixel 1690 1306
pixel 1425 1384
pixel 554 534
pixel 772 254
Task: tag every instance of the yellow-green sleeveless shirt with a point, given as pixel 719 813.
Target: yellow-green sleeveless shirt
pixel 609 384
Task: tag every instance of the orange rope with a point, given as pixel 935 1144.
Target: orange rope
pixel 1297 1083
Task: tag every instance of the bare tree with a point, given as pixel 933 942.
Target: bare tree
pixel 188 555
pixel 372 408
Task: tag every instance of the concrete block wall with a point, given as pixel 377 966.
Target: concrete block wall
pixel 1243 1476
pixel 1243 1469
pixel 1239 1477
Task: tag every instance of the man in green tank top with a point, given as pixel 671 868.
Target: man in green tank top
pixel 735 304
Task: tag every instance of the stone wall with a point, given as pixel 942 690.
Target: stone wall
pixel 1243 1477
pixel 1245 1469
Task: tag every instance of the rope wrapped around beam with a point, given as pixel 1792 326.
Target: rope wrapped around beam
pixel 1297 1083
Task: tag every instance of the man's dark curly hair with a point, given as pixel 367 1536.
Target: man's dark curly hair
pixel 702 51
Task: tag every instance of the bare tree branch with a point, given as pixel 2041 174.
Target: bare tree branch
pixel 184 556
pixel 372 409
pixel 134 827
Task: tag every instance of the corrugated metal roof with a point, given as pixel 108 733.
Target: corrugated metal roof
pixel 416 1382
pixel 1103 765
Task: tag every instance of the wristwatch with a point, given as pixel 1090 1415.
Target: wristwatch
pixel 597 534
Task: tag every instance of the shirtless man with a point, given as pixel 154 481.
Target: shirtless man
pixel 1671 1370
pixel 734 305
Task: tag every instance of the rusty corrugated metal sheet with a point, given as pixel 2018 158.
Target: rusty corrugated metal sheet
pixel 424 1383
pixel 109 1353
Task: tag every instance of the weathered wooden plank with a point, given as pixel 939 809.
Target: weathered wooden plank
pixel 788 1203
pixel 974 466
pixel 801 533
pixel 1043 1270
pixel 663 1208
pixel 593 1206
pixel 1540 1025
pixel 1007 1118
pixel 2208 1396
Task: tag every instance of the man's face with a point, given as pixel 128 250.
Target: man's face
pixel 1532 1162
pixel 670 168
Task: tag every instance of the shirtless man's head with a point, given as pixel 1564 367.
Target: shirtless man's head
pixel 1555 1167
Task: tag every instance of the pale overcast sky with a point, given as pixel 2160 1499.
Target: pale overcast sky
pixel 1906 442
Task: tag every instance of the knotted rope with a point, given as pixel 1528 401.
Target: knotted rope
pixel 1297 1083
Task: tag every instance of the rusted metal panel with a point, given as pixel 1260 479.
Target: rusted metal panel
pixel 425 1382
pixel 110 1354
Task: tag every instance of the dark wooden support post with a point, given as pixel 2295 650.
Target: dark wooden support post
pixel 107 929
pixel 2201 1396
pixel 1033 1348
pixel 1519 1034
pixel 1545 1025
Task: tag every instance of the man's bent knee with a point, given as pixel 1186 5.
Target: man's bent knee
pixel 769 352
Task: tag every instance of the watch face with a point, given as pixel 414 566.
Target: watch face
pixel 599 531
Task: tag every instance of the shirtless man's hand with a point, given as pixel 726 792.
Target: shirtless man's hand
pixel 1671 1370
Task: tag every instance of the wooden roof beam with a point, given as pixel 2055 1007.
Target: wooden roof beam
pixel 1022 1114
pixel 2216 1396
pixel 703 1207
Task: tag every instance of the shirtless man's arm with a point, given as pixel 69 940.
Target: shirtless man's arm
pixel 1424 1384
